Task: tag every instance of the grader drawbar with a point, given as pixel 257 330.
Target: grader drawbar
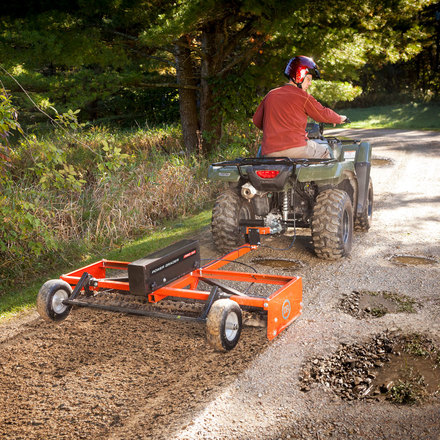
pixel 172 284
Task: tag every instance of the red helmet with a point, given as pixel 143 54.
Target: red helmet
pixel 298 67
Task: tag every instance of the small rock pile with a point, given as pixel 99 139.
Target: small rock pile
pixel 350 304
pixel 352 369
pixel 363 304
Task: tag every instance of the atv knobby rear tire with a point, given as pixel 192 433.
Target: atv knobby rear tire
pixel 228 210
pixel 363 221
pixel 223 325
pixel 332 224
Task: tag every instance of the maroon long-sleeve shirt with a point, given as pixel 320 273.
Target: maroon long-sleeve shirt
pixel 282 115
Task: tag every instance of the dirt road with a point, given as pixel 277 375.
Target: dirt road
pixel 100 375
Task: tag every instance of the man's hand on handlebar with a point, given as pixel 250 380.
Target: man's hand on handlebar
pixel 345 120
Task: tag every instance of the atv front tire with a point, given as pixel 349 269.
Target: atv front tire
pixel 363 221
pixel 228 210
pixel 332 224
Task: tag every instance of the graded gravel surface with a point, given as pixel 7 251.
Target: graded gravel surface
pixel 102 375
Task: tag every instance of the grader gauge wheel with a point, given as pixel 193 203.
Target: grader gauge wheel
pixel 50 299
pixel 223 325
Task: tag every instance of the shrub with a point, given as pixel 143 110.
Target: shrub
pixel 65 196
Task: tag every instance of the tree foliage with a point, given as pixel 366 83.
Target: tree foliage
pixel 84 60
pixel 379 45
pixel 331 93
pixel 209 61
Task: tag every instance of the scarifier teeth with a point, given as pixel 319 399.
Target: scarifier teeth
pixel 116 299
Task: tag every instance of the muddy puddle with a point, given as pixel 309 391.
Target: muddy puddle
pixel 381 162
pixel 279 263
pixel 364 303
pixel 412 260
pixel 406 378
pixel 403 369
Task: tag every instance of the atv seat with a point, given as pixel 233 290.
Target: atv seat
pixel 334 153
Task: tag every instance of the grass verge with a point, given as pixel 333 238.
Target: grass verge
pixel 414 116
pixel 169 232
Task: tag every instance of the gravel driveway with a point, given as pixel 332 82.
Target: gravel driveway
pixel 108 376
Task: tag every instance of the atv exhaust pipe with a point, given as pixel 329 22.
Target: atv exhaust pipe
pixel 248 191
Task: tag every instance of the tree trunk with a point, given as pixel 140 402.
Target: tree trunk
pixel 437 44
pixel 187 95
pixel 210 119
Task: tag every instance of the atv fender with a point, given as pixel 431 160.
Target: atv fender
pixel 223 173
pixel 328 174
pixel 363 168
pixel 364 152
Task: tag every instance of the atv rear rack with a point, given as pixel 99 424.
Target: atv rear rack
pixel 221 305
pixel 272 161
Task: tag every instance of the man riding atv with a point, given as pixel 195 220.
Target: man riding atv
pixel 324 184
pixel 282 115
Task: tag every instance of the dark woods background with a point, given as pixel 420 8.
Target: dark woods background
pixel 208 62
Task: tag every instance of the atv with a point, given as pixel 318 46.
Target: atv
pixel 269 195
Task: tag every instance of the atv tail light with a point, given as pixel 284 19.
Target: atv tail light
pixel 268 174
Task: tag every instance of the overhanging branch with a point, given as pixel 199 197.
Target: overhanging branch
pixel 196 49
pixel 170 85
pixel 243 57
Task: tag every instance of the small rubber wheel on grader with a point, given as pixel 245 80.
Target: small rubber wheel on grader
pixel 363 221
pixel 50 300
pixel 228 210
pixel 332 224
pixel 223 325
